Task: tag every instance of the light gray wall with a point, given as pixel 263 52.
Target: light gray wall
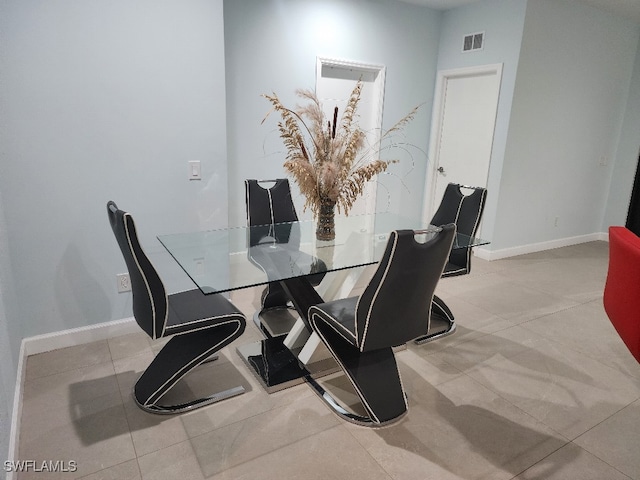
pixel 503 24
pixel 104 100
pixel 626 156
pixel 271 46
pixel 572 84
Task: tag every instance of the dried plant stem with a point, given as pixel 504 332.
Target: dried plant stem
pixel 329 160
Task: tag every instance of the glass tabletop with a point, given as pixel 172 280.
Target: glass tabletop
pixel 241 257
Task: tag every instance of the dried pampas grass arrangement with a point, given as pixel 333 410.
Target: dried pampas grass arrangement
pixel 328 158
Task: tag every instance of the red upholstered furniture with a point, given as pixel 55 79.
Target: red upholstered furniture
pixel 622 289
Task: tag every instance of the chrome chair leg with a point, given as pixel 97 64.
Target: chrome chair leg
pixel 375 379
pixel 185 407
pixel 442 322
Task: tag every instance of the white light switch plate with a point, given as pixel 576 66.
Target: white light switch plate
pixel 194 170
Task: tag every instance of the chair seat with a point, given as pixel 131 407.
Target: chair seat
pixel 452 269
pixel 395 307
pixel 193 310
pixel 340 315
pixel 199 325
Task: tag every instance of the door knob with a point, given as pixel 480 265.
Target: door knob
pixel 441 170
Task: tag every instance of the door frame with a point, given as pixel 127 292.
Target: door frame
pixel 379 71
pixel 430 202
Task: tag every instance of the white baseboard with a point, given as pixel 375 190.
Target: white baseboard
pixel 53 341
pixel 486 254
pixel 79 336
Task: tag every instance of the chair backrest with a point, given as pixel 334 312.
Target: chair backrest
pixel 466 212
pixel 622 289
pixel 267 206
pixel 395 307
pixel 269 210
pixel 150 301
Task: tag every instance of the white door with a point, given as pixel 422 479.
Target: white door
pixel 463 126
pixel 335 80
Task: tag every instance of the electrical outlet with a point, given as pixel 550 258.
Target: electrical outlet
pixel 124 284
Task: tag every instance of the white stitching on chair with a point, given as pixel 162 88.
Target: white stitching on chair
pixel 475 225
pixel 444 265
pixel 373 300
pixel 344 369
pixel 337 324
pixel 230 315
pixel 186 368
pixel 146 283
pixel 246 193
pixel 459 207
pixel 449 272
pixel 271 208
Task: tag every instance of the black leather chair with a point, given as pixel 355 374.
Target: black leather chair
pixel 266 206
pixel 269 210
pixel 466 212
pixel 199 324
pixel 395 307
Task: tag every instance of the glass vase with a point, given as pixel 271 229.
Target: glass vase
pixel 326 227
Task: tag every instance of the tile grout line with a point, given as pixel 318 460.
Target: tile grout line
pixel 126 416
pixel 366 450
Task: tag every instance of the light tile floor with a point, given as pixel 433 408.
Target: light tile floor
pixel 535 384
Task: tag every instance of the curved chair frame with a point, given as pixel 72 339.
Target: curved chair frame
pixel 395 307
pixel 267 207
pixel 200 325
pixel 465 211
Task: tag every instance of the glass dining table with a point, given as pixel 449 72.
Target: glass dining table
pixel 235 258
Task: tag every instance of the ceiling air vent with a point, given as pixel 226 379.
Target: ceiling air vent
pixel 474 41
